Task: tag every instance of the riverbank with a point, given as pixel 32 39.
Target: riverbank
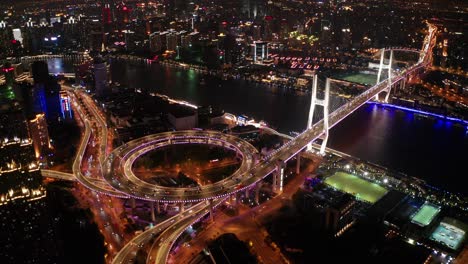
pixel 425 113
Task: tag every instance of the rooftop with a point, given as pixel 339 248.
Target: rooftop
pixel 449 233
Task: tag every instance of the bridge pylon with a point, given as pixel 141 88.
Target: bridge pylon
pixel 322 102
pixel 389 89
pixel 379 73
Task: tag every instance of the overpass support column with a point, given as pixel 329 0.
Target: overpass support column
pixel 298 163
pixel 256 158
pixel 158 207
pixel 153 217
pixel 211 211
pixel 132 203
pixel 402 84
pixel 257 192
pixel 389 77
pixel 181 207
pixel 233 198
pixel 278 177
pixel 275 179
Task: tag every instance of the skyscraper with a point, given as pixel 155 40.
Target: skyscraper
pixel 40 71
pixel 40 136
pixel 100 76
pixel 46 92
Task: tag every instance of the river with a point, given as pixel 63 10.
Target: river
pixel 428 148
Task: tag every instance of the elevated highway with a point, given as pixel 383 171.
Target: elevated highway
pixel 118 166
pixel 58 175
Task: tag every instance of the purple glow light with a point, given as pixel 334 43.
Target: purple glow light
pixel 453 119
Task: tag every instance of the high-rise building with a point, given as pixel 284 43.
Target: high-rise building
pixel 96 40
pixel 267 28
pixel 17 35
pixel 338 216
pixel 250 8
pixel 171 41
pixel 100 76
pixel 40 71
pixel 6 90
pixel 122 16
pixel 155 42
pixel 40 137
pixel 257 32
pixel 45 93
pixel 106 18
pixel 260 51
pixel 186 40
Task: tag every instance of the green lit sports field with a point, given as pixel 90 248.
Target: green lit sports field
pixel 360 188
pixel 426 213
pixel 361 78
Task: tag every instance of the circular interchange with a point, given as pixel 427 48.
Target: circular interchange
pixel 117 168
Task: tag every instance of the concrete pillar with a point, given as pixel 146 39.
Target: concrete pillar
pixel 257 192
pixel 158 208
pixel 298 163
pixel 256 158
pixel 153 217
pixel 247 193
pixel 274 185
pixel 233 199
pixel 132 203
pixel 211 211
pixel 165 206
pixel 278 177
pixel 181 207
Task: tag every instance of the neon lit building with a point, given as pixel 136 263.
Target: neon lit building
pixel 65 105
pixel 260 51
pixel 6 90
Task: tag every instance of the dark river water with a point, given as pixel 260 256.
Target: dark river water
pixel 432 149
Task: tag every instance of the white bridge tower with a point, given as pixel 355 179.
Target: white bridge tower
pixel 325 103
pixel 379 73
